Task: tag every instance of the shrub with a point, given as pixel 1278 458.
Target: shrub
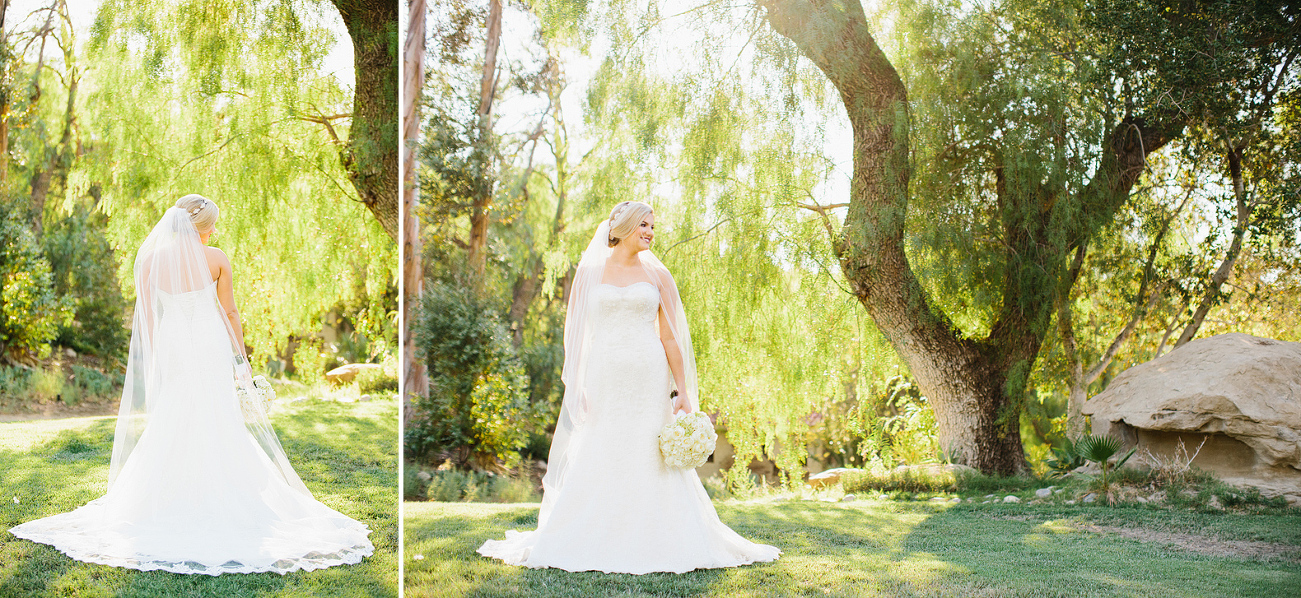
pixel 470 486
pixel 45 385
pixel 93 383
pixel 309 361
pixel 31 312
pixel 898 427
pixel 384 379
pixel 478 409
pixel 904 481
pixel 914 481
pixel 84 268
pixel 1064 459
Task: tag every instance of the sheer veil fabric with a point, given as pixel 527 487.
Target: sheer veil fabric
pixel 171 261
pixel 196 483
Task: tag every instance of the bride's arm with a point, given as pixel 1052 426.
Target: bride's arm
pixel 226 295
pixel 674 354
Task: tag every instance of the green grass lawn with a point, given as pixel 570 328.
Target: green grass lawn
pixel 345 453
pixel 887 548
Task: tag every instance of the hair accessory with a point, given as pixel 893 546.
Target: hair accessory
pixel 202 203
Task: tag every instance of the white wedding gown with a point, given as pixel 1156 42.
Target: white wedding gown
pixel 197 494
pixel 621 510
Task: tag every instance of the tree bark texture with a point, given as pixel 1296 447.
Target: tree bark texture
pixel 975 386
pixel 371 154
pixel 480 213
pixel 415 380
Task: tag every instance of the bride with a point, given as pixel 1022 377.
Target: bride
pixel 198 483
pixel 609 502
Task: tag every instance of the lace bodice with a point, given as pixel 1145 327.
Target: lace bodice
pixel 626 309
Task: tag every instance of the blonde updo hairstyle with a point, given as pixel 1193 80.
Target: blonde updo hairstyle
pixel 625 218
pixel 203 211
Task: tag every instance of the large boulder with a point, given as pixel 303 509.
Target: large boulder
pixel 1237 393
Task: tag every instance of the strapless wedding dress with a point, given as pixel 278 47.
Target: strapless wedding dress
pixel 621 510
pixel 197 494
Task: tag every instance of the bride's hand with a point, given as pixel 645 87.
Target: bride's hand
pixel 680 403
pixel 243 375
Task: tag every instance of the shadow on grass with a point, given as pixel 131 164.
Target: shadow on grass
pixel 349 462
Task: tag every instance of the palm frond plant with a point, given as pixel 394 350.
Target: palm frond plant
pixel 1100 449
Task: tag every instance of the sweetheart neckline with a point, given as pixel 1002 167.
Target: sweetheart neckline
pixel 626 286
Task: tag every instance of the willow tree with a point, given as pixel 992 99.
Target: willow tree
pixel 230 100
pixel 1046 138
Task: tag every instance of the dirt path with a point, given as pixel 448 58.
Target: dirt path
pixel 1206 545
pixel 57 410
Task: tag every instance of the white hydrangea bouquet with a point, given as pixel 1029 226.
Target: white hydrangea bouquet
pixel 688 440
pixel 256 399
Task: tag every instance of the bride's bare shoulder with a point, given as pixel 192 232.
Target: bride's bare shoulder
pixel 216 257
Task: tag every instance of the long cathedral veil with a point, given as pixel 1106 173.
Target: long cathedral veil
pixel 171 261
pixel 579 330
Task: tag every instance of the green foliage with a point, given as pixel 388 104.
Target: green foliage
pixel 26 386
pixel 309 361
pixel 469 486
pixel 477 411
pixel 898 428
pixel 1100 449
pixel 231 100
pixel 1064 458
pixel 84 267
pixel 907 480
pixel 31 311
pixel 382 380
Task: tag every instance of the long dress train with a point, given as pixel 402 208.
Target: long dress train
pixel 198 494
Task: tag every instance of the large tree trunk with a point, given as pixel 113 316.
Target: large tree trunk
pixel 481 211
pixel 371 154
pixel 965 384
pixel 415 380
pixel 975 386
pixel 1212 295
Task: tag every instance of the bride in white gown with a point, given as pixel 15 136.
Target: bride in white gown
pixel 610 503
pixel 197 483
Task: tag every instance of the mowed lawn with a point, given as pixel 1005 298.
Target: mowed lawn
pixel 346 453
pixel 896 548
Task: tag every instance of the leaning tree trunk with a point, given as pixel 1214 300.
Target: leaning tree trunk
pixel 371 154
pixel 975 386
pixel 964 381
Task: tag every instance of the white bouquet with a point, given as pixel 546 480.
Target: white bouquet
pixel 255 400
pixel 688 440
